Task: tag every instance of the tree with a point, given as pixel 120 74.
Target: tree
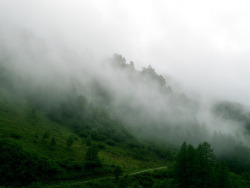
pixel 191 165
pixel 53 142
pixel 221 175
pixel 205 160
pixel 150 72
pixel 88 140
pixel 181 166
pixel 117 172
pixel 92 159
pixel 46 135
pixel 70 141
pixel 195 167
pixel 19 167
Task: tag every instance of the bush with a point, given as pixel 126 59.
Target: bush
pixel 19 167
pixel 92 159
pixel 111 142
pixel 70 141
pixel 101 146
pixel 53 142
pixel 88 140
pixel 15 135
pixel 117 172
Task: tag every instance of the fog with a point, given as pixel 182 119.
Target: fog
pixel 202 49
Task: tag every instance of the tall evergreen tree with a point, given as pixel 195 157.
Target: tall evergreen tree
pixel 195 167
pixel 181 166
pixel 205 160
pixel 221 179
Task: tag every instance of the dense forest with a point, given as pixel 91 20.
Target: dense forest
pixel 102 128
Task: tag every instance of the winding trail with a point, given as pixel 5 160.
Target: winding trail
pixel 139 172
pixel 131 174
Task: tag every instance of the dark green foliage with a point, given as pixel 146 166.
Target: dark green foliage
pixel 204 161
pixel 111 142
pixel 98 184
pixel 150 179
pixel 117 172
pixel 70 141
pixel 18 167
pixel 123 182
pixel 88 140
pixel 181 171
pixel 46 135
pixel 15 135
pixel 167 183
pixel 197 167
pixel 154 179
pixel 53 142
pixel 92 159
pixel 221 176
pixel 101 146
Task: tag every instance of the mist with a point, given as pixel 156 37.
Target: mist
pixel 63 48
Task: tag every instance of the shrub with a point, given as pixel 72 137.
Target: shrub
pixel 19 167
pixel 70 141
pixel 92 159
pixel 15 135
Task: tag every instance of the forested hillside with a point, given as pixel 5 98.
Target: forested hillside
pixel 122 120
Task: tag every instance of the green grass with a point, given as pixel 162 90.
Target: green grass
pixel 18 122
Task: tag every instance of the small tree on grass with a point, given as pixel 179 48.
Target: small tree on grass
pixel 117 172
pixel 46 136
pixel 53 142
pixel 70 141
pixel 92 159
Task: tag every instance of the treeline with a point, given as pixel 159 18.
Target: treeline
pixel 148 74
pixel 198 167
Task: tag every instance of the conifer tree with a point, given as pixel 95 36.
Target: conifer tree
pixel 181 166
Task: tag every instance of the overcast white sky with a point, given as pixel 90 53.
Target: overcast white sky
pixel 204 45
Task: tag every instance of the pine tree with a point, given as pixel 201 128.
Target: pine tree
pixel 191 165
pixel 195 167
pixel 221 179
pixel 205 160
pixel 181 166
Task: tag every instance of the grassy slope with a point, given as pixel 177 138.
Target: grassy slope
pixel 17 122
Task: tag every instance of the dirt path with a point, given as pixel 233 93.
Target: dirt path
pixel 131 174
pixel 148 170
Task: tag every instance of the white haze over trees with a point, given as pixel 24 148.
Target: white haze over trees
pixel 62 47
pixel 203 45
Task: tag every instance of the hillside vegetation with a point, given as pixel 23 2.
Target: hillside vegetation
pixel 95 130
